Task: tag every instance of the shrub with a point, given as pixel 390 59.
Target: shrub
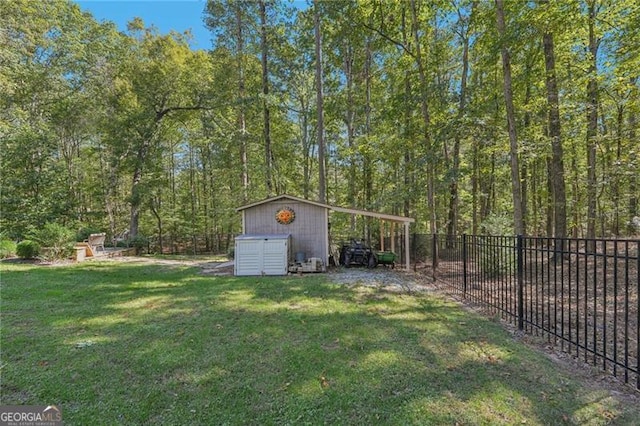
pixel 28 249
pixel 84 233
pixel 497 253
pixel 58 240
pixel 497 224
pixel 140 242
pixel 7 249
pixel 497 256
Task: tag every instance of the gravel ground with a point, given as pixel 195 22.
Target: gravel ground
pixel 383 278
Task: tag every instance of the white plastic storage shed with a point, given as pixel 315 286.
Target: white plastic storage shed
pixel 262 254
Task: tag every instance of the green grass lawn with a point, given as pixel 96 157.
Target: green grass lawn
pixel 136 343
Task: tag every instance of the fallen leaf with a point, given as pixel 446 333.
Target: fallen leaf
pixel 285 386
pixel 324 382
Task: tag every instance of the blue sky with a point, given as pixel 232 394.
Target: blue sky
pixel 166 15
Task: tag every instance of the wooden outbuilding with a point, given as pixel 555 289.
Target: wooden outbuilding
pixel 306 222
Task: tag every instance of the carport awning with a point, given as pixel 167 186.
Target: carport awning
pixel 384 216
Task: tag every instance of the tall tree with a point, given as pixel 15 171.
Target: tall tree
pixel 592 120
pixel 463 34
pixel 556 171
pixel 632 205
pixel 426 117
pixel 322 185
pixel 511 121
pixel 156 83
pixel 230 22
pixel 264 50
pixel 50 53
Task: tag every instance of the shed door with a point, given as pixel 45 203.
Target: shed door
pixel 274 257
pixel 248 254
pixel 258 257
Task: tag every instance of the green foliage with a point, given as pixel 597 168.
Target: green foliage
pixel 7 248
pixel 497 224
pixel 84 233
pixel 140 243
pixel 28 249
pixel 57 239
pixel 497 256
pixel 99 126
pixel 497 252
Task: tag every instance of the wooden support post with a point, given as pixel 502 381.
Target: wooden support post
pixel 407 253
pixel 393 237
pixel 381 235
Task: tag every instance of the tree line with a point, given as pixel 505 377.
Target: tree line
pixel 471 116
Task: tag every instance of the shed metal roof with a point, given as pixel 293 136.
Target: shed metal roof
pixel 390 217
pixel 262 237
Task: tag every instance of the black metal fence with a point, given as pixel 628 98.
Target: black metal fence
pixel 582 295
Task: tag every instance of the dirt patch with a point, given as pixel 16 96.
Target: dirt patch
pixel 207 265
pixel 394 280
pixel 39 262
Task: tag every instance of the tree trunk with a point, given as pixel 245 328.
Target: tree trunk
pixel 108 189
pixel 550 200
pixel 513 137
pixel 241 119
pixel 535 195
pixel 556 164
pixel 424 107
pixel 617 181
pixel 632 207
pixel 306 149
pixel 350 123
pixel 322 184
pixel 268 156
pixel 193 189
pixel 575 190
pixel 474 190
pixel 452 225
pixel 136 191
pixel 527 164
pixel 407 168
pixel 156 214
pixel 592 127
pixel 367 172
pixel 557 158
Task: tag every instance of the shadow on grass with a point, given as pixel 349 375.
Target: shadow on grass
pixel 129 343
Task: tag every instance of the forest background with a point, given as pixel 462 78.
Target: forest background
pixel 472 116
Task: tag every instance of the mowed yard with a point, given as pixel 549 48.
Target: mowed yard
pixel 148 343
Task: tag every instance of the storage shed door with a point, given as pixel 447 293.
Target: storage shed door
pixel 274 257
pixel 248 254
pixel 261 256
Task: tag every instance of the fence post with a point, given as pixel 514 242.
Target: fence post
pixel 519 257
pixel 464 265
